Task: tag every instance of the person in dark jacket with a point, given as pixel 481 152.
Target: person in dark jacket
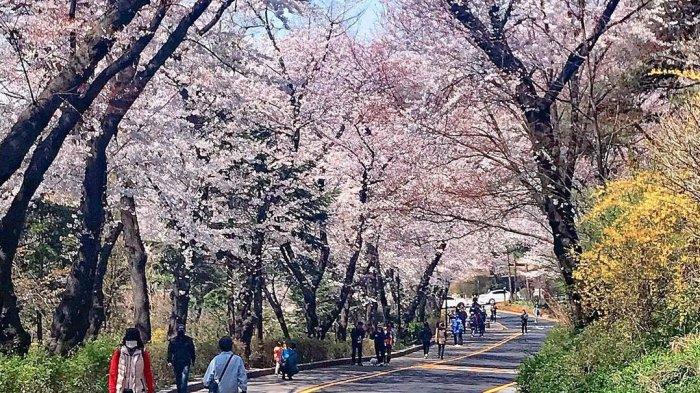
pixel 181 356
pixel 379 345
pixel 357 335
pixel 425 336
pixel 463 315
pixel 290 361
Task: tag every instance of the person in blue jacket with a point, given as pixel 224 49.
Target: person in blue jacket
pixel 290 361
pixel 457 330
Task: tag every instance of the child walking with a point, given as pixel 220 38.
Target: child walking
pixel 277 356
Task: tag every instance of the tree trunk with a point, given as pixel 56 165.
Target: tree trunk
pixel 46 151
pixel 423 284
pixel 137 257
pixel 346 289
pixel 97 314
pixel 277 309
pixel 341 333
pixel 258 283
pixel 373 253
pixel 12 334
pixel 13 337
pixel 308 288
pixel 556 164
pixel 421 310
pixel 557 203
pixel 180 290
pixel 39 327
pixel 62 87
pixel 71 318
pixel 13 221
pixel 310 314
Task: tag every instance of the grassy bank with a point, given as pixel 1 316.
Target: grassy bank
pixel 609 361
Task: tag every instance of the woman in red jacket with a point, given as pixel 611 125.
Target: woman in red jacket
pixel 130 368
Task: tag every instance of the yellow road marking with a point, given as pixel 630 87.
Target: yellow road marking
pixel 548 319
pixel 491 370
pixel 503 327
pixel 499 388
pixel 379 374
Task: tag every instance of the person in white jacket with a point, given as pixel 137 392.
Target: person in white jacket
pixel 226 370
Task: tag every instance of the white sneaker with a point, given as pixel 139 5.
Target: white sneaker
pixel 425 356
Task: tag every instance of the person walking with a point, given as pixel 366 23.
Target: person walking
pixel 482 321
pixel 226 372
pixel 463 315
pixel 441 339
pixel 357 335
pixel 290 361
pixel 425 336
pixel 523 322
pixel 473 324
pixel 457 330
pixel 494 309
pixel 389 340
pixel 181 356
pixel 277 356
pixel 475 307
pixel 537 313
pixel 379 344
pixel 130 366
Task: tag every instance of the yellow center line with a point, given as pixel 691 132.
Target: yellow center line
pixel 499 388
pixel 548 319
pixel 491 370
pixel 379 374
pixel 503 327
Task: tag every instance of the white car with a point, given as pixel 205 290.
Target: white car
pixel 494 296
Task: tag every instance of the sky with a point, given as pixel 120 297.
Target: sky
pixel 369 13
pixel 368 24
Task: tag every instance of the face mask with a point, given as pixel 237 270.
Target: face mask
pixel 131 344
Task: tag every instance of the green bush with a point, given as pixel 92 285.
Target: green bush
pixel 571 362
pixel 84 371
pixel 660 371
pixel 605 360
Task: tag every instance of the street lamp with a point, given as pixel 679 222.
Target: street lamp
pixel 446 316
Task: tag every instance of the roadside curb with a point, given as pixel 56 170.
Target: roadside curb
pixel 261 372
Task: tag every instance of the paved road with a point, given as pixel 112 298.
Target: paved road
pixel 479 365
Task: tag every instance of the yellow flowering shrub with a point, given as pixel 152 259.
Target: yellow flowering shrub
pixel 641 256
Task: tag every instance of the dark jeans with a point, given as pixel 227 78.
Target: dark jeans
pixel 387 356
pixel 380 352
pixel 426 347
pixel 182 375
pixel 458 338
pixel 356 353
pixel 493 317
pixel 523 327
pixel 441 350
